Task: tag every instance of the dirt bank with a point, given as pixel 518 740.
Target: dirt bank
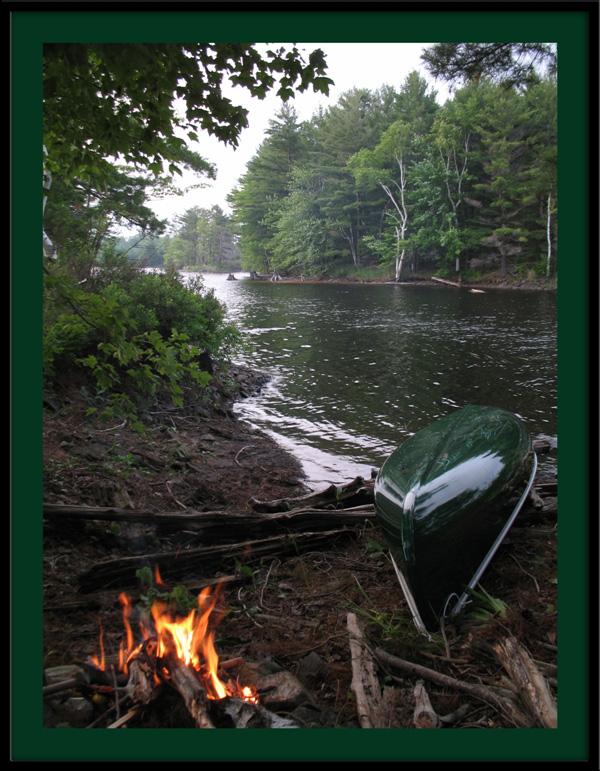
pixel 286 610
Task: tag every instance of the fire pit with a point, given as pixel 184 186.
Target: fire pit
pixel 165 649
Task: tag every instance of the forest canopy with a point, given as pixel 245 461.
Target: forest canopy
pixel 391 179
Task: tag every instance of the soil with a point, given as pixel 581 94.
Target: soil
pixel 284 612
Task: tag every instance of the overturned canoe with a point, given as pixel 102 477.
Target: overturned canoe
pixel 446 498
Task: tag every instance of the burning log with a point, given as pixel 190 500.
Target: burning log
pixel 141 686
pixel 186 682
pixel 179 652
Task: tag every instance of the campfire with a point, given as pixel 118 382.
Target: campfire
pixel 178 650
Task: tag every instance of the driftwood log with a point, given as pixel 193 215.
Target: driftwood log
pixel 354 493
pixel 531 687
pixel 219 525
pixel 374 705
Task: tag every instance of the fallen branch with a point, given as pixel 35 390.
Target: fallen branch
pixel 424 716
pixel 487 695
pixel 358 491
pixel 126 718
pixel 531 686
pixel 374 705
pixel 365 685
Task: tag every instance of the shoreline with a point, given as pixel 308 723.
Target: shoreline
pixel 108 487
pixel 479 285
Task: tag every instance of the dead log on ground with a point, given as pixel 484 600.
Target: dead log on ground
pixel 221 526
pixel 365 684
pixel 121 572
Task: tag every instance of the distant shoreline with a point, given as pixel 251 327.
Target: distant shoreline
pixel 480 285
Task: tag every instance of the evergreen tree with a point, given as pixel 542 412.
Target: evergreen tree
pixel 513 64
pixel 266 183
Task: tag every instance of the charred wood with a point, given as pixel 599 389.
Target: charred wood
pixel 184 680
pixel 236 713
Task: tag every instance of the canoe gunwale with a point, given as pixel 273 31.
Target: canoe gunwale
pixel 410 600
pixel 487 559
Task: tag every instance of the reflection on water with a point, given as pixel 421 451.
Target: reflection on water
pixel 356 369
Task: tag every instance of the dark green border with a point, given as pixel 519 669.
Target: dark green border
pixel 570 28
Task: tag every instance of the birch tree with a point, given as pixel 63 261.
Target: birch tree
pixel 388 166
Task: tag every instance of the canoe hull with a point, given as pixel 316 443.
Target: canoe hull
pixel 445 500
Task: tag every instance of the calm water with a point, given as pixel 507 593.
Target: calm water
pixel 356 369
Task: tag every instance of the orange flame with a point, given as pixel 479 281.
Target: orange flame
pixel 189 638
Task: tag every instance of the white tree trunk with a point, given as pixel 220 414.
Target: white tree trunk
pixel 548 236
pixel 401 215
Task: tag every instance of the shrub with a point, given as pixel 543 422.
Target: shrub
pixel 139 332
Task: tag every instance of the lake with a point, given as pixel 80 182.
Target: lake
pixel 357 368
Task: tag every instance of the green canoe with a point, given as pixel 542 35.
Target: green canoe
pixel 446 498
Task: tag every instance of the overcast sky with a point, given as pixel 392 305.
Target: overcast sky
pixel 350 65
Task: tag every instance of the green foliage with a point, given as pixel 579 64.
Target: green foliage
pixel 118 100
pixel 178 599
pixel 203 238
pixel 485 606
pixel 135 336
pixel 393 178
pixel 387 625
pixel 513 64
pixel 81 218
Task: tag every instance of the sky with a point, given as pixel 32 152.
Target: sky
pixel 350 65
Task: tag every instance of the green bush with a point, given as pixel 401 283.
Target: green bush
pixel 140 332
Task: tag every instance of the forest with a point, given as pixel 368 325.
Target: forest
pixel 384 183
pixel 392 179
